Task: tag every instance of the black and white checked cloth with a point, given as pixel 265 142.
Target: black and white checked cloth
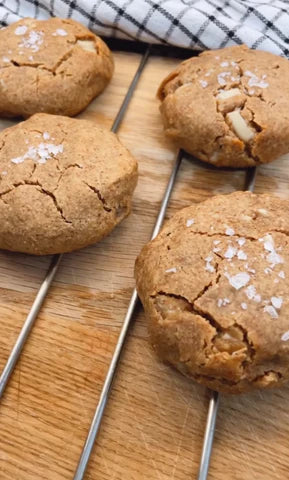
pixel 196 24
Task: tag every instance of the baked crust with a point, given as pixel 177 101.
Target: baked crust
pixel 214 286
pixel 197 114
pixel 64 184
pixel 55 66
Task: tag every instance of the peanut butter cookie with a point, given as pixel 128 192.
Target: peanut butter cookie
pixel 54 66
pixel 64 184
pixel 214 285
pixel 229 107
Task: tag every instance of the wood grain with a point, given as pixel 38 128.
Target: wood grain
pixel 154 422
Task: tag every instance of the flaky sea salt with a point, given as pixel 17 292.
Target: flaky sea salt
pixel 21 30
pixel 239 280
pixel 277 302
pixel 203 83
pixel 271 310
pixel 224 64
pixel 268 243
pixel 252 294
pixel 285 336
pixel 216 242
pixel 250 291
pixel 222 302
pixel 230 252
pixel 46 136
pixel 241 255
pixel 190 222
pixel 39 154
pixel 244 305
pixel 273 257
pixel 171 270
pixel 255 81
pixel 229 231
pixel 5 59
pixel 222 78
pixel 208 266
pixel 60 32
pixel 241 241
pixel 281 274
pixel 34 40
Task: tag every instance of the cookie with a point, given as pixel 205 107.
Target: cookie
pixel 214 286
pixel 54 66
pixel 229 107
pixel 64 184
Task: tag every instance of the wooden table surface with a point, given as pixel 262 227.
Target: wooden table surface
pixel 154 422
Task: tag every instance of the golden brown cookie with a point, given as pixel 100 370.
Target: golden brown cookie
pixel 54 66
pixel 64 184
pixel 214 286
pixel 229 107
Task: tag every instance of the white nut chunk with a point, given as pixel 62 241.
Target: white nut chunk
pixel 224 94
pixel 240 126
pixel 87 45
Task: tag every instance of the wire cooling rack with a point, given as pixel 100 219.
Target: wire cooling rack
pixel 52 270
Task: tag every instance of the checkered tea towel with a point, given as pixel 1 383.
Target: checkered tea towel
pixel 195 24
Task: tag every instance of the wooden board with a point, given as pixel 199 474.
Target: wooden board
pixel 154 422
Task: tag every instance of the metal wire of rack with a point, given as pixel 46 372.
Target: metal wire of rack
pixel 43 291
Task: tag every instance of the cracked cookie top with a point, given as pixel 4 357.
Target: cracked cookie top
pixel 229 107
pixel 64 184
pixel 214 285
pixel 55 66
